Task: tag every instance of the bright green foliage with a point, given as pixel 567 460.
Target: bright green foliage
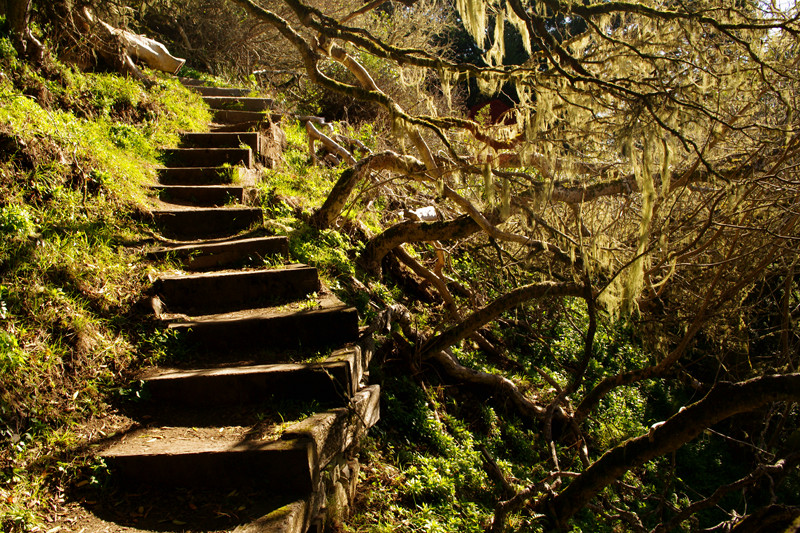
pixel 15 221
pixel 11 357
pixel 438 483
pixel 298 177
pixel 292 191
pixel 327 250
pixel 73 162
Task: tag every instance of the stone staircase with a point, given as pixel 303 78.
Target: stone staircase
pixel 214 446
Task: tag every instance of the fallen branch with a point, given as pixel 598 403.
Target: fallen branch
pixel 119 47
pixel 330 145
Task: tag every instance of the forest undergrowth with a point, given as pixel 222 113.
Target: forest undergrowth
pixel 445 453
pixel 76 150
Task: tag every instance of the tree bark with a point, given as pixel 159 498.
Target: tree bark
pixel 18 17
pixel 388 160
pixel 503 388
pixel 330 145
pixel 775 517
pixel 413 231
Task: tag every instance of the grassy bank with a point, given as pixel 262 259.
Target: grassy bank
pixel 75 152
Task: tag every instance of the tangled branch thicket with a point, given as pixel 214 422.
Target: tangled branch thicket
pixel 650 168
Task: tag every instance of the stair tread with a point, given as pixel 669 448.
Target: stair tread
pixel 207 168
pixel 191 82
pixel 213 255
pixel 205 175
pixel 219 91
pixel 231 290
pixel 233 139
pixel 162 439
pixel 205 157
pixel 213 186
pixel 179 209
pixel 242 98
pixel 189 134
pixel 184 510
pixel 236 272
pixel 239 103
pixel 324 304
pixel 220 243
pixel 162 373
pixel 191 222
pixel 190 457
pixel 169 440
pixel 236 116
pixel 198 149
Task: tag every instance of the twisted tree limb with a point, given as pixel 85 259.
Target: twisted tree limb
pixel 387 160
pixel 779 468
pixel 449 302
pixel 25 43
pixel 723 401
pixel 503 388
pixel 414 231
pixel 502 304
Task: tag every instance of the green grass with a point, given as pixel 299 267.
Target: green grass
pixel 73 162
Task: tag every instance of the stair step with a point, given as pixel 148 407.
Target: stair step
pixel 208 157
pixel 222 254
pixel 190 82
pixel 232 456
pixel 249 508
pixel 234 103
pixel 228 116
pixel 227 291
pixel 190 224
pixel 328 382
pixel 235 139
pixel 200 195
pixel 271 329
pixel 199 175
pixel 171 456
pixel 220 91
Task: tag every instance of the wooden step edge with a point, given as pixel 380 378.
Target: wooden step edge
pixel 229 291
pixel 326 382
pixel 336 430
pixel 277 271
pixel 289 461
pixel 212 256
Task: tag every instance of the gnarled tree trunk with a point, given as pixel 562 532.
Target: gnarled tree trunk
pixel 18 17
